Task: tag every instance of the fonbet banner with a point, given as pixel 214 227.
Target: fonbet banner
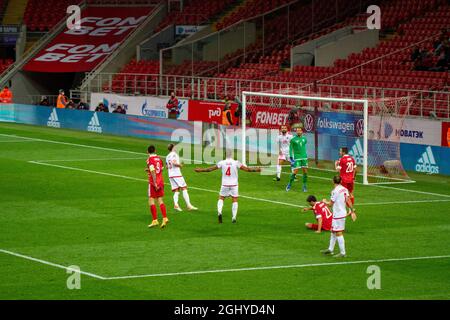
pixel 139 105
pixel 102 31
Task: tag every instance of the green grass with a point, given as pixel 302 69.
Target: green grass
pixel 99 223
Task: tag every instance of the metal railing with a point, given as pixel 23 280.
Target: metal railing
pixel 245 38
pixel 217 88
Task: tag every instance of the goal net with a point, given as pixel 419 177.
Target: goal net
pixel 368 128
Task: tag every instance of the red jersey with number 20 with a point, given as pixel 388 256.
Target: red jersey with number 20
pixel 321 210
pixel 348 166
pixel 154 163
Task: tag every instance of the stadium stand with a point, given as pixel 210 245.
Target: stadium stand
pixel 196 12
pixel 388 67
pixel 44 15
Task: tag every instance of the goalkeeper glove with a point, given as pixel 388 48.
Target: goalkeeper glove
pixel 292 161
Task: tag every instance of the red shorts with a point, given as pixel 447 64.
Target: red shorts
pixel 348 185
pixel 315 227
pixel 152 193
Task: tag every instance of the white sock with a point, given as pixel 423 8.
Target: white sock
pixel 234 209
pixel 332 242
pixel 186 198
pixel 220 206
pixel 278 171
pixel 341 243
pixel 175 198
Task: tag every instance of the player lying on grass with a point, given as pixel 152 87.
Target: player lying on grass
pixel 346 166
pixel 299 158
pixel 155 186
pixel 230 177
pixel 176 179
pixel 284 140
pixel 340 201
pixel 322 213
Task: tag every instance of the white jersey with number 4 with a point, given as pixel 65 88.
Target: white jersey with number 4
pixel 174 171
pixel 230 169
pixel 339 196
pixel 284 141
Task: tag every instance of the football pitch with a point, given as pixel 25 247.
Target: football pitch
pixel 72 198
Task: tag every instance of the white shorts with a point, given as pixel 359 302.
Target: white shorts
pixel 229 191
pixel 338 225
pixel 283 156
pixel 177 182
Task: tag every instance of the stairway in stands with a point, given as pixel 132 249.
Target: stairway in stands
pixel 14 11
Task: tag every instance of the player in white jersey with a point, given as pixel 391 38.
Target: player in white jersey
pixel 284 140
pixel 176 179
pixel 340 200
pixel 230 182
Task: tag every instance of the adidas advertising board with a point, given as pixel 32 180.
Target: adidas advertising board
pixel 427 162
pixel 53 120
pixel 357 152
pixel 94 125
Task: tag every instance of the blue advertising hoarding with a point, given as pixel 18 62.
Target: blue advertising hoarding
pixel 419 158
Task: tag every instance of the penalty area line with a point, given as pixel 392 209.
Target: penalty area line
pixel 48 263
pixel 200 272
pixel 295 266
pixel 216 192
pixel 140 179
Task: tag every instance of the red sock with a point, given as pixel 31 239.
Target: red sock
pixel 163 210
pixel 153 211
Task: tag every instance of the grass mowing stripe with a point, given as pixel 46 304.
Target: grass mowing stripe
pixel 49 263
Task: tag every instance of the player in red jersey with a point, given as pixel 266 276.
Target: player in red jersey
pixel 323 214
pixel 346 166
pixel 155 187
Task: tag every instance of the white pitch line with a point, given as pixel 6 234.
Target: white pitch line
pixel 213 191
pixel 49 263
pixel 82 160
pixel 413 191
pixel 140 153
pixel 297 266
pixel 140 179
pixel 12 141
pixel 400 202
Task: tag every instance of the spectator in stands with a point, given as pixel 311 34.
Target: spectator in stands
pixel 101 107
pixel 44 101
pixel 82 105
pixel 62 100
pixel 172 106
pixel 227 119
pixel 415 54
pixel 444 56
pixel 120 109
pixel 424 62
pixel 70 105
pixel 6 95
pixel 238 112
pixel 294 117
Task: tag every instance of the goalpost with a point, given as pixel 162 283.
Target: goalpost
pixel 374 121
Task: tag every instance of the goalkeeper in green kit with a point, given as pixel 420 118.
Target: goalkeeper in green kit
pixel 298 158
